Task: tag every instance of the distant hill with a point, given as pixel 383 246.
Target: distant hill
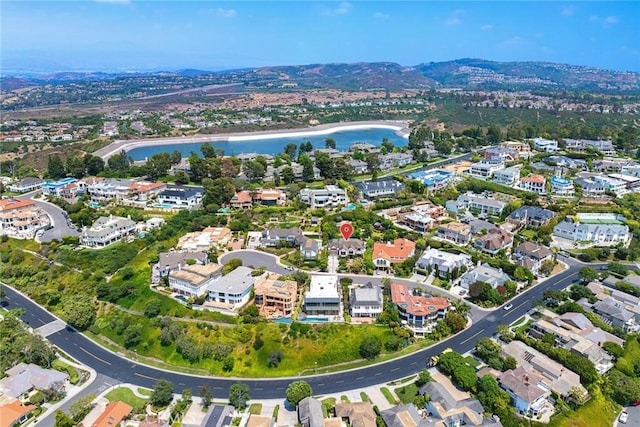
pixel 465 73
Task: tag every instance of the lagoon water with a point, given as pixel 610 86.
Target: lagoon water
pixel 343 139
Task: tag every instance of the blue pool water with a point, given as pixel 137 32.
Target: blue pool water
pixel 94 205
pixel 343 139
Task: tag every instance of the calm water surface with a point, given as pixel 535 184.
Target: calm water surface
pixel 344 139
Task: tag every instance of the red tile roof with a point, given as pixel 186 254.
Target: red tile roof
pixel 12 412
pixel 241 197
pixel 533 178
pixel 11 204
pixel 416 305
pixel 399 251
pixel 113 414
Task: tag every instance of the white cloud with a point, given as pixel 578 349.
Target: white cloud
pixel 593 18
pixel 381 16
pixel 458 12
pixel 486 27
pixel 611 20
pixel 224 13
pixel 567 11
pixel 341 9
pixel 452 21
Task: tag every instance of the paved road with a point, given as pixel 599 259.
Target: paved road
pixel 123 370
pixel 61 225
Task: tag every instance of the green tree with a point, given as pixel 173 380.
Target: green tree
pixel 423 377
pixel 325 164
pixel 613 349
pixel 55 167
pixel 254 170
pixel 298 390
pixel 153 307
pixel 158 165
pixel 231 265
pixel 63 420
pixel 290 150
pixel 132 335
pixel 162 393
pixel 239 396
pixel 207 150
pixel 330 143
pixel 206 396
pixel 80 313
pixel 455 321
pixel 81 407
pixel 587 274
pixel 370 347
pixel 288 175
pixel 275 357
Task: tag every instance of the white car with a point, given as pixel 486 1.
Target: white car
pixel 623 417
pixel 508 306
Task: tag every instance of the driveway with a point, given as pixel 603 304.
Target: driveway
pixel 61 225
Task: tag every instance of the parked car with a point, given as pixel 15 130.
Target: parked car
pixel 624 416
pixel 508 306
pixel 636 403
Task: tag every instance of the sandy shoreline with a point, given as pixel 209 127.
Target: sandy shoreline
pixel 127 145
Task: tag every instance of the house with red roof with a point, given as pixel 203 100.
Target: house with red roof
pixel 14 413
pixel 534 183
pixel 113 415
pixel 386 254
pixel 420 312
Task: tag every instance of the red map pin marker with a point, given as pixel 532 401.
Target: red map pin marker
pixel 347 230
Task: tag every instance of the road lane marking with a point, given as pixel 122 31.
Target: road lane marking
pixel 339 381
pixel 181 384
pixel 515 308
pixel 395 369
pixel 377 373
pixel 258 389
pixel 145 376
pixel 414 363
pixel 320 385
pixel 473 336
pixel 360 378
pixel 94 356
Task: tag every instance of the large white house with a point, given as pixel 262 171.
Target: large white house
pixel 322 297
pixel 330 196
pixel 594 229
pixel 485 168
pixel 547 145
pixel 107 230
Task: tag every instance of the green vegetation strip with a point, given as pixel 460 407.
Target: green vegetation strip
pixel 387 394
pixel 255 408
pixel 61 366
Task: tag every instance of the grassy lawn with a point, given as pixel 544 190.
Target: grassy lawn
pixel 598 412
pixel 529 234
pixel 345 399
pixel 125 395
pixel 144 391
pixel 408 393
pixel 402 381
pixel 523 327
pixel 472 361
pixel 364 396
pixel 59 365
pixel 255 408
pixel 631 355
pixel 328 406
pixel 388 395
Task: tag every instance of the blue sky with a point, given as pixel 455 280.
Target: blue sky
pixel 133 35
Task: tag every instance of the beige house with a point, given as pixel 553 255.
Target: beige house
pixel 275 297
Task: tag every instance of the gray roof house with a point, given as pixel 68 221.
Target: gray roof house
pixel 281 237
pixel 382 188
pixel 632 279
pixel 615 314
pixel 26 377
pixel 347 248
pixel 310 413
pixel 107 230
pixel 532 216
pixel 485 274
pixel 442 262
pixel 174 261
pixel 366 301
pixel 403 416
pixel 444 406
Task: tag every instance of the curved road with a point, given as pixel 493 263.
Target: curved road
pixel 121 369
pixel 61 226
